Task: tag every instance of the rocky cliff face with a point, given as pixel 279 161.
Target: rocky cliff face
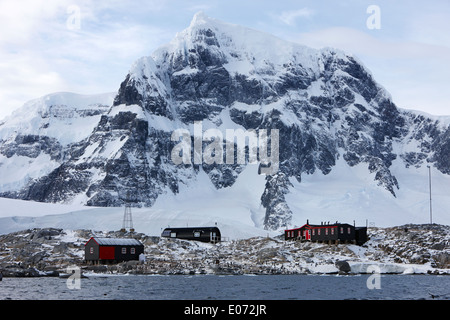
pixel 325 104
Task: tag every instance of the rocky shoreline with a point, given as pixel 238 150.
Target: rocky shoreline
pixel 50 252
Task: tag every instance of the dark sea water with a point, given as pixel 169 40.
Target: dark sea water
pixel 213 287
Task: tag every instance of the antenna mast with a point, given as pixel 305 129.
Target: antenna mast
pixel 127 217
pixel 431 209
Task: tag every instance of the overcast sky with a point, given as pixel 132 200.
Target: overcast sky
pixel 88 46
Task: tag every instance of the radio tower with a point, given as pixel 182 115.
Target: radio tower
pixel 127 218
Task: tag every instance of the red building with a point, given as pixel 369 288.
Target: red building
pixel 326 232
pixel 112 249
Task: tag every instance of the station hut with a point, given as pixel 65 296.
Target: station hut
pixel 326 232
pixel 203 234
pixel 112 249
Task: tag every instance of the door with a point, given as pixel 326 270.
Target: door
pixel 308 235
pixel 107 253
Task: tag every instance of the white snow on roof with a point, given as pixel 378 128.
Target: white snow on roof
pixel 117 242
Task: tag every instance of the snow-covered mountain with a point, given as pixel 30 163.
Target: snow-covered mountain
pixel 345 150
pixel 37 138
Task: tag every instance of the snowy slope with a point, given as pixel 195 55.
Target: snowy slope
pixel 65 116
pixel 350 194
pixel 237 211
pixel 35 137
pixel 346 194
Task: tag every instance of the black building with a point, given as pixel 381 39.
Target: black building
pixel 204 234
pixel 331 233
pixel 360 235
pixel 112 249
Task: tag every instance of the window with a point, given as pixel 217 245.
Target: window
pixel 313 232
pixel 124 250
pixel 91 250
pixel 326 231
pixel 173 234
pixel 299 233
pixel 318 232
pixel 133 250
pixel 348 230
pixel 332 231
pixel 166 233
pixel 342 230
pixel 197 234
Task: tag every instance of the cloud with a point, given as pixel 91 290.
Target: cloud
pixel 24 78
pixel 359 42
pixel 290 17
pixel 39 54
pixel 415 73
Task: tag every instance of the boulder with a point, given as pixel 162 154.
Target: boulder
pixel 343 266
pixel 46 233
pixel 19 272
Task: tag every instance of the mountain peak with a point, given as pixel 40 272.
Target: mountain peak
pixel 239 48
pixel 200 18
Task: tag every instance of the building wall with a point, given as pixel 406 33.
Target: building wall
pixel 324 233
pixel 111 252
pixel 198 234
pixel 361 235
pixel 91 254
pixel 291 234
pixel 341 231
pixel 126 255
pixel 346 235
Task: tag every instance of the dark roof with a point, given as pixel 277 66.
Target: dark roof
pixel 116 241
pixel 191 228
